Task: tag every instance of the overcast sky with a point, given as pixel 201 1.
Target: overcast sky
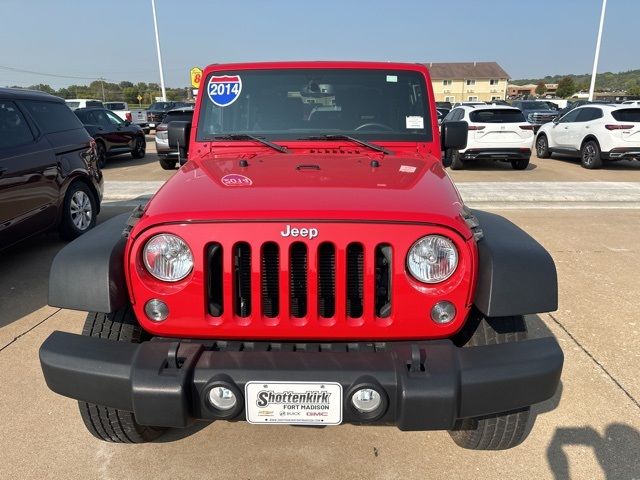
pixel 114 39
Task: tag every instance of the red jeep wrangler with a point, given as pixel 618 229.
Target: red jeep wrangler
pixel 311 264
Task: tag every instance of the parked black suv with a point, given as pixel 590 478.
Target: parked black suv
pixel 49 175
pixel 112 134
pixel 157 111
pixel 536 112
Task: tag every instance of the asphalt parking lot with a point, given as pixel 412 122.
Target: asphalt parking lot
pixel 589 429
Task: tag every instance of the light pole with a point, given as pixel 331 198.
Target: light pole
pixel 155 26
pixel 595 60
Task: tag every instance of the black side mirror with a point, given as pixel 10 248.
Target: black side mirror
pixel 178 133
pixel 453 135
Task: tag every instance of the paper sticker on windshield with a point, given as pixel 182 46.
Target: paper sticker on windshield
pixel 415 122
pixel 224 90
pixel 236 180
pixel 392 78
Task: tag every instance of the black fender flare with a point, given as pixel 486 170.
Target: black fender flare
pixel 88 273
pixel 516 275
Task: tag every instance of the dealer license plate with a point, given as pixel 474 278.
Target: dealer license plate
pixel 299 403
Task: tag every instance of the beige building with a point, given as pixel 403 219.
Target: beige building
pixel 468 81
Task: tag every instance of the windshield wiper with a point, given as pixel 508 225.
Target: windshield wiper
pixel 372 146
pixel 245 136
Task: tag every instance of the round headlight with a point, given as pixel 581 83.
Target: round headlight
pixel 167 257
pixel 432 259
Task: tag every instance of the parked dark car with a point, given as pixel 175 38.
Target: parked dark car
pixel 113 135
pixel 580 103
pixel 169 156
pixel 49 177
pixel 157 111
pixel 535 112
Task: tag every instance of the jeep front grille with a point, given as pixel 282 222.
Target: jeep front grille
pixel 313 278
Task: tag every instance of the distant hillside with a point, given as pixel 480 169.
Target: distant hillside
pixel 606 81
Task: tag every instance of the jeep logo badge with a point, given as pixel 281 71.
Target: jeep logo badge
pixel 309 233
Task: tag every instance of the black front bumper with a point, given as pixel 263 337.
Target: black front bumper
pixel 427 384
pixel 504 154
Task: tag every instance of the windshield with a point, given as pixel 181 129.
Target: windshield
pixel 627 115
pixel 498 115
pixel 294 104
pixel 115 106
pixel 161 106
pixel 73 104
pixel 535 106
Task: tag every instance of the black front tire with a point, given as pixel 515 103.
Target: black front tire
pixel 79 211
pixel 499 431
pixel 106 423
pixel 167 163
pixel 590 156
pixel 456 161
pixel 139 147
pixel 542 147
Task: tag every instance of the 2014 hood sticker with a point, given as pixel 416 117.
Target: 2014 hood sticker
pixel 224 90
pixel 236 180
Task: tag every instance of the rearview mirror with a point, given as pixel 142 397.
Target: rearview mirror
pixel 178 133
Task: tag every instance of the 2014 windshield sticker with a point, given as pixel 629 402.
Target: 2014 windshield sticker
pixel 224 90
pixel 236 180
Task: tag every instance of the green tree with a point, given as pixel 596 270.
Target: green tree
pixel 130 94
pixel 43 88
pixel 541 88
pixel 566 87
pixel 635 90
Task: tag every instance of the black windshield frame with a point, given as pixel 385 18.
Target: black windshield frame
pixel 398 93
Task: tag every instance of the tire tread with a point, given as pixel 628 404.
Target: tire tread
pixel 499 431
pixel 106 423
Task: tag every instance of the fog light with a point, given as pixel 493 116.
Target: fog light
pixel 443 312
pixel 366 400
pixel 156 310
pixel 222 398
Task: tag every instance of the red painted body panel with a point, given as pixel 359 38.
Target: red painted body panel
pixel 409 195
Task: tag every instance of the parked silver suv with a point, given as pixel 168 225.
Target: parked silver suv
pixel 169 156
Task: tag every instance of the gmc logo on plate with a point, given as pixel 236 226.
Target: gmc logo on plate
pixel 309 233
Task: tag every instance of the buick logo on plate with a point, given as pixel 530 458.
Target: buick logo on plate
pixel 309 233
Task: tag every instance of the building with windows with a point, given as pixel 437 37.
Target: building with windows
pixel 530 89
pixel 468 81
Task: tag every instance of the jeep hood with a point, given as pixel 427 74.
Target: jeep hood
pixel 319 186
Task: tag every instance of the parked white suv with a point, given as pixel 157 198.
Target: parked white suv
pixel 496 132
pixel 594 133
pixel 75 103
